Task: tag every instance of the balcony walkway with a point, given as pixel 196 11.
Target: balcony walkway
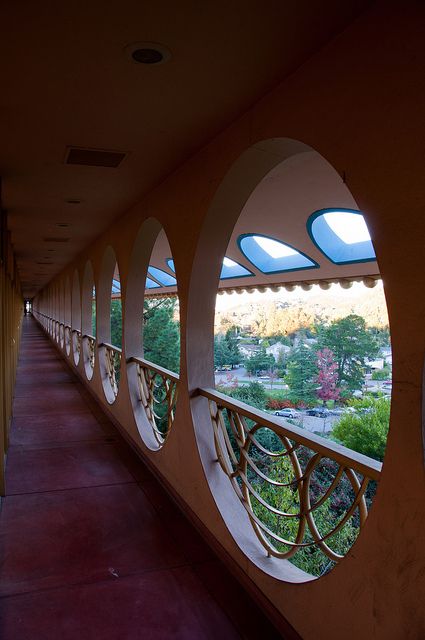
pixel 91 545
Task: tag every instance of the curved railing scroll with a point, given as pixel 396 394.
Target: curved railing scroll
pixel 68 338
pixel 158 390
pixel 302 492
pixel 91 349
pixel 113 364
pixel 76 340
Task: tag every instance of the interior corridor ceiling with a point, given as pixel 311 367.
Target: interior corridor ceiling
pixel 68 80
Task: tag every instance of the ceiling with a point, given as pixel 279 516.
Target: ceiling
pixel 67 80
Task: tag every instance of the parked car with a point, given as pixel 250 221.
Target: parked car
pixel 319 412
pixel 287 413
pixel 337 411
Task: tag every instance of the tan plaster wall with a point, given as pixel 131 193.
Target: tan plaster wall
pixel 361 104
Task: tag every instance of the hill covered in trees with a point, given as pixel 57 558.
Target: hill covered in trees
pixel 285 314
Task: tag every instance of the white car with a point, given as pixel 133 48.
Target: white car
pixel 287 413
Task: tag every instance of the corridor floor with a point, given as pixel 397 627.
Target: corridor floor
pixel 91 545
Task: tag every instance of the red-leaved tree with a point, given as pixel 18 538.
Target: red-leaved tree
pixel 327 377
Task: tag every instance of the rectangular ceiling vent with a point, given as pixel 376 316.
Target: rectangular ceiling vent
pixel 51 263
pixel 56 239
pixel 94 157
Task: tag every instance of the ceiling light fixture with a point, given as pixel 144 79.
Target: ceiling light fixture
pixel 149 53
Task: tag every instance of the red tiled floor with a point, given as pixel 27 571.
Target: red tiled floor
pixel 23 382
pixel 66 467
pixel 83 535
pixel 162 605
pixel 42 403
pixel 188 539
pixel 39 430
pixel 91 545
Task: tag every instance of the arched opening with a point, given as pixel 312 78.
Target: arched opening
pixel 89 321
pixel 61 314
pixel 153 330
pixel 76 317
pixel 303 496
pixel 67 318
pixel 109 325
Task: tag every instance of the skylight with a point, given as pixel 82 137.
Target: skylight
pixel 162 277
pixel 232 269
pixel 274 248
pixel 151 284
pixel 116 286
pixel 350 227
pixel 342 235
pixel 273 256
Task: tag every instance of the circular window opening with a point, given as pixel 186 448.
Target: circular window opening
pixel 76 318
pixel 89 321
pixel 299 369
pixel 109 323
pixel 153 368
pixel 61 340
pixel 67 325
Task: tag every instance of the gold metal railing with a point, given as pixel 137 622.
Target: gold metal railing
pixel 303 493
pixel 158 390
pixel 91 349
pixel 67 338
pixel 113 364
pixel 76 341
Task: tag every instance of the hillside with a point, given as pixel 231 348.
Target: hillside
pixel 285 313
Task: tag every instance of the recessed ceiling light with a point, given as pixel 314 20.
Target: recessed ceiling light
pixel 150 53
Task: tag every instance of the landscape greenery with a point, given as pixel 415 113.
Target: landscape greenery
pixel 325 364
pixel 322 364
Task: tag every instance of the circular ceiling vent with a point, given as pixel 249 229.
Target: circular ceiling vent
pixel 149 53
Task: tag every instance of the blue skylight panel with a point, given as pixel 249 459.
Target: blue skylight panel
pixel 273 256
pixel 170 263
pixel 151 284
pixel 162 277
pixel 342 235
pixel 232 269
pixel 116 286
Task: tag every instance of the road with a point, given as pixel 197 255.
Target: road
pixel 310 423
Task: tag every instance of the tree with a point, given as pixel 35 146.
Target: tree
pixel 366 430
pixel 161 334
pixel 252 393
pixel 301 374
pixel 222 355
pixel 261 361
pixel 116 322
pixel 351 344
pixel 327 377
pixel 233 347
pixel 381 374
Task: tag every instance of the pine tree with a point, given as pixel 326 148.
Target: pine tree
pixel 301 374
pixel 161 334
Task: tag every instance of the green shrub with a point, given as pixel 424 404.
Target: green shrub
pixel 381 374
pixel 365 431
